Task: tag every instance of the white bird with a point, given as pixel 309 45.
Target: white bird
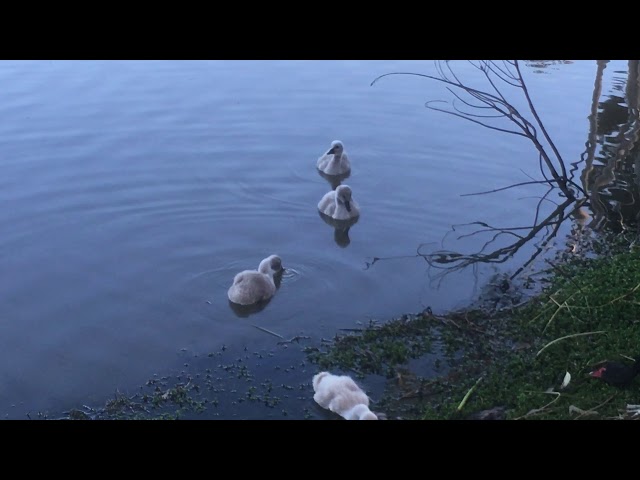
pixel 335 161
pixel 635 409
pixel 341 395
pixel 339 204
pixel 252 286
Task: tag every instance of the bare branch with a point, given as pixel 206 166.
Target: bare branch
pixel 542 127
pixel 467 99
pixel 502 254
pixel 544 197
pixel 535 182
pixel 472 120
pixel 501 105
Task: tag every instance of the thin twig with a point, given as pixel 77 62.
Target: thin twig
pixel 540 124
pixel 560 306
pixel 593 410
pixel 268 331
pixel 535 411
pixel 535 182
pixel 296 339
pixel 568 336
pixel 620 297
pixel 466 397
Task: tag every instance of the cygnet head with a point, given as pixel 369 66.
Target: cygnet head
pixel 336 148
pixel 343 196
pixel 271 265
pixel 317 378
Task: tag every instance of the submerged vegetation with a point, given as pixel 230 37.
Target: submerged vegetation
pixel 227 384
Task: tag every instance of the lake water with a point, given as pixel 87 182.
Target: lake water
pixel 133 192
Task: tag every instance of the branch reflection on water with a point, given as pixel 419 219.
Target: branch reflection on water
pixel 614 124
pixel 610 188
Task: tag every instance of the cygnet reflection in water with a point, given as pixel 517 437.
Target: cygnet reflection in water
pixel 341 228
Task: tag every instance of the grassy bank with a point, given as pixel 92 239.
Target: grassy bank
pixel 517 358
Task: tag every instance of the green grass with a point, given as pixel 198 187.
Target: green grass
pixel 589 313
pixel 377 349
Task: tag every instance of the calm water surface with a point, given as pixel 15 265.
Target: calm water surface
pixel 132 193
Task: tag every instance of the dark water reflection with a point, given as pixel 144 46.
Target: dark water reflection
pixel 612 157
pixel 341 228
pixel 545 66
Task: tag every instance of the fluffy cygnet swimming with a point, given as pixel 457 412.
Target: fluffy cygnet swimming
pixel 252 286
pixel 335 161
pixel 341 395
pixel 339 204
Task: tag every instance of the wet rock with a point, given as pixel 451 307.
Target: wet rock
pixel 78 415
pixel 496 413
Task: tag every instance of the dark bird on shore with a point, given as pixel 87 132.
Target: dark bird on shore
pixel 616 373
